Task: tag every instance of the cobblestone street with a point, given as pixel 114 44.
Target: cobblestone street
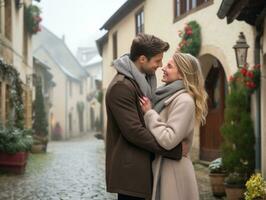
pixel 70 170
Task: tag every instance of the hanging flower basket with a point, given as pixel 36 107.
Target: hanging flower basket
pixel 248 77
pixel 190 39
pixel 33 19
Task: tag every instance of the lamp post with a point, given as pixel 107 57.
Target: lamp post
pixel 241 50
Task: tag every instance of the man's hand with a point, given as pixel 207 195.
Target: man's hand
pixel 185 149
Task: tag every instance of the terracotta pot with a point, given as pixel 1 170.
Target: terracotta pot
pixel 217 184
pixel 234 192
pixel 15 163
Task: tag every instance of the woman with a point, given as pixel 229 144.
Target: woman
pixel 179 106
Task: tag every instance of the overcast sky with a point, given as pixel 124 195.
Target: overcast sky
pixel 78 20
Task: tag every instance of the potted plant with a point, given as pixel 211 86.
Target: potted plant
pixel 190 38
pixel 40 124
pixel 256 188
pixel 217 175
pixel 235 186
pixel 238 151
pixel 33 19
pixel 14 146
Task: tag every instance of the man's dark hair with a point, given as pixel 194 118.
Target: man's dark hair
pixel 147 45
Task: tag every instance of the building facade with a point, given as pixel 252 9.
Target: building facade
pixel 69 109
pixel 16 50
pixel 91 61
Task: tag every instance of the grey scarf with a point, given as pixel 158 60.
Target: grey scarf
pixel 147 83
pixel 165 92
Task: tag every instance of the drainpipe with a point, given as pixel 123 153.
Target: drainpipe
pixel 259 31
pixel 258 109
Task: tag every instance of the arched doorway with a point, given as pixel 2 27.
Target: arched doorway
pixel 216 87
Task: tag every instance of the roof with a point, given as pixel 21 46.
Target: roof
pixel 246 10
pixel 97 59
pixel 45 68
pixel 100 42
pixel 123 11
pixel 59 52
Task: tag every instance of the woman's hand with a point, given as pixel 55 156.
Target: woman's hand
pixel 145 104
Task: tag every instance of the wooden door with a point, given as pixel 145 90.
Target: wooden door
pixel 210 135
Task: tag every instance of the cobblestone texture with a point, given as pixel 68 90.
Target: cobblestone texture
pixel 71 170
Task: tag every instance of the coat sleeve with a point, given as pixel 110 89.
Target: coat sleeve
pixel 122 104
pixel 179 124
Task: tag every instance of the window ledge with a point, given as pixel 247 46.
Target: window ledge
pixel 204 5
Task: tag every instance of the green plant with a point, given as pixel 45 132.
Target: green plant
pixel 238 146
pixel 33 19
pixel 190 38
pixel 216 166
pixel 235 179
pixel 13 140
pixel 256 187
pixel 9 73
pixel 40 124
pixel 100 96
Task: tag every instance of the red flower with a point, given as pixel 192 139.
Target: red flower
pixel 250 74
pixel 243 71
pixel 231 78
pixel 250 84
pixel 253 85
pixel 189 32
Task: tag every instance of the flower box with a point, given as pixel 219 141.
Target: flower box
pixel 15 163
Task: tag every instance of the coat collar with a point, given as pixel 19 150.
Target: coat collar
pixel 168 101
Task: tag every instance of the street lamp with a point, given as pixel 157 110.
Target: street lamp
pixel 241 50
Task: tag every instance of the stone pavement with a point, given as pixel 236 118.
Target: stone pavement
pixel 71 170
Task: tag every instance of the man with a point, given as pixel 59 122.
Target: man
pixel 130 147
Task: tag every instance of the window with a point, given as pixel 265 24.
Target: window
pixel 184 6
pixel 70 88
pixel 115 45
pixel 140 22
pixel 25 44
pixel 8 19
pixel 1 18
pixel 70 122
pixel 7 103
pixel 81 88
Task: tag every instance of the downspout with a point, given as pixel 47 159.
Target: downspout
pixel 66 110
pixel 259 31
pixel 258 109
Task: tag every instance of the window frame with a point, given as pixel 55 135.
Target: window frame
pixel 115 44
pixel 183 12
pixel 139 17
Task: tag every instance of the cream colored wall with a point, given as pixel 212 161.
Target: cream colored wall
pixel 263 105
pixel 15 47
pixel 72 107
pixel 58 98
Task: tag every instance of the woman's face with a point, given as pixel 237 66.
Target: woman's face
pixel 171 72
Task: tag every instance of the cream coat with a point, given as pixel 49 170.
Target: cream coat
pixel 173 180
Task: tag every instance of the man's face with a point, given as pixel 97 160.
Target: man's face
pixel 150 66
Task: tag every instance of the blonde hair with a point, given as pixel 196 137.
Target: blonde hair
pixel 190 69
